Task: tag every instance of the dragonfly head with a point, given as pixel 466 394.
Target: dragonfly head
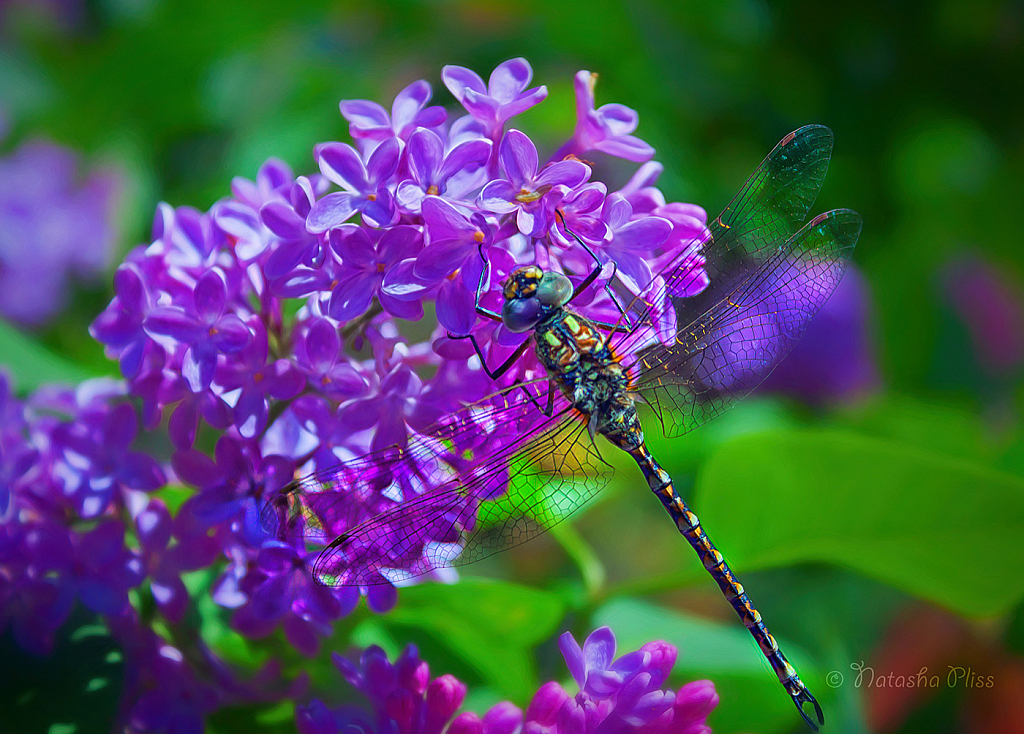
pixel 531 295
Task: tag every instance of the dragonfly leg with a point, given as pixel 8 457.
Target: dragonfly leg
pixel 504 366
pixel 592 276
pixel 485 276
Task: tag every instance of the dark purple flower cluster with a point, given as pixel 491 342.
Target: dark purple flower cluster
pixel 268 337
pixel 615 696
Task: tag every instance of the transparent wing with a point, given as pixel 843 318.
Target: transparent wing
pixel 549 478
pixel 487 477
pixel 766 211
pixel 739 338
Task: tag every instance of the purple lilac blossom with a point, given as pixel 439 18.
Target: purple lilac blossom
pixel 54 226
pixel 623 695
pixel 271 328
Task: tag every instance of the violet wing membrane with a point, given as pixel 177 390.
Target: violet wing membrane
pixel 502 470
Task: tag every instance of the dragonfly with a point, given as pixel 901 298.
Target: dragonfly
pixel 449 498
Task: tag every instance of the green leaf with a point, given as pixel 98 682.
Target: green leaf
pixel 725 653
pixel 491 625
pixel 32 365
pixel 945 529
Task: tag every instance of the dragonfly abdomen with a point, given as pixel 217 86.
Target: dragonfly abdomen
pixel 689 526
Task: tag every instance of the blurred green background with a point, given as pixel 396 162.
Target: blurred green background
pixel 884 533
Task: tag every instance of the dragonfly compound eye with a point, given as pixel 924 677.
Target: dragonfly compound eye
pixel 522 282
pixel 521 314
pixel 554 289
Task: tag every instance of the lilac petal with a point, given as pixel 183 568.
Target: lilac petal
pixel 509 79
pixel 381 211
pixel 429 117
pixel 283 221
pixel 442 258
pixel 399 243
pixel 643 235
pixel 599 648
pixel 459 80
pixel 483 107
pixel 455 307
pixel 629 147
pixel 499 196
pixel 129 288
pixel 467 155
pixel 366 119
pixel 130 359
pixel 273 598
pixel 210 295
pixel 570 173
pixel 572 718
pixel 141 471
pixel 381 598
pixel 322 345
pixel 251 413
pixel 344 379
pixel 503 718
pixel 154 526
pixel 616 211
pixel 383 161
pixel 425 155
pixel 531 222
pixel 524 102
pixel 120 427
pixel 175 323
pixel 198 365
pixel 409 102
pixel 391 430
pixel 196 468
pixel 411 310
pixel 230 333
pixel 341 164
pixel 215 411
pixel 518 156
pixel 410 196
pixel 352 296
pixel 574 659
pixel 330 211
pixel 284 259
pixel 285 382
pixel 172 598
pixel 443 220
pixel 352 244
pixel 401 283
pixel 183 425
pixel 633 270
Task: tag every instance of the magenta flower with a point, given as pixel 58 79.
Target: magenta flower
pixel 524 187
pixel 607 129
pixel 370 121
pixel 616 696
pixel 504 96
pixel 371 270
pixel 207 328
pixel 435 172
pixel 366 185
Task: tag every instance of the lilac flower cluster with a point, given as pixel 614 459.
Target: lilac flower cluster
pixel 623 695
pixel 267 337
pixel 51 227
pixel 273 318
